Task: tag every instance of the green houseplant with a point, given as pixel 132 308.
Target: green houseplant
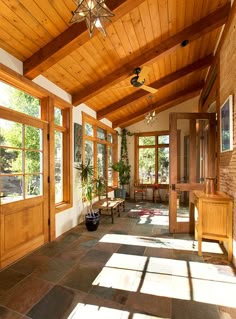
pixel 122 166
pixel 91 187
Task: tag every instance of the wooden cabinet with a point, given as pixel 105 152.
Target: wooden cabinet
pixel 213 218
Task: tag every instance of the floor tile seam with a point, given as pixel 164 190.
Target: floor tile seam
pixel 39 300
pixel 11 291
pixel 17 312
pixel 106 299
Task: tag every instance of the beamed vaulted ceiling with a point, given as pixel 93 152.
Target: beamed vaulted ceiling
pixel 97 71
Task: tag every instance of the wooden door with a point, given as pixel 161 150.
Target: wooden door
pixel 192 159
pixel 23 187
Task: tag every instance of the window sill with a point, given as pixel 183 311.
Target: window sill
pixel 62 206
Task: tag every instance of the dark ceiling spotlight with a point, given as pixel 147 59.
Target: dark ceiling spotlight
pixel 184 43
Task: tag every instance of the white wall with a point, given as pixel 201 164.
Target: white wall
pixel 160 124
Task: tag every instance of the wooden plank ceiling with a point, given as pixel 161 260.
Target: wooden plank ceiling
pixel 97 71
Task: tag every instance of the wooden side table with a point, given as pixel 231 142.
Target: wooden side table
pixel 214 219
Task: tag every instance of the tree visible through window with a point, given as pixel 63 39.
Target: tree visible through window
pixel 153 158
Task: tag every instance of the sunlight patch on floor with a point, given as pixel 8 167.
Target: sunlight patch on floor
pixel 154 220
pixel 88 311
pixel 125 261
pixel 116 278
pixel 158 242
pixel 166 286
pixel 164 277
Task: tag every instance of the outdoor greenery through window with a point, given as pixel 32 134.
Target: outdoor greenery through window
pixel 20 101
pixel 59 167
pixel 99 148
pixel 152 158
pixel 21 168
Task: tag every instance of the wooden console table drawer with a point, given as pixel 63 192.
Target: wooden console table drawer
pixel 214 219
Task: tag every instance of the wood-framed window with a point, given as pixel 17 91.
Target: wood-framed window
pixel 99 147
pixel 62 140
pixel 46 108
pixel 152 158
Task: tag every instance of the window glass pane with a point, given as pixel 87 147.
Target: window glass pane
pixel 89 153
pixel 163 165
pixel 33 162
pixel 109 137
pixel 163 139
pixel 10 133
pixel 10 161
pixel 33 138
pixel 101 134
pixel 20 101
pixel 110 162
pixel 147 165
pixel 88 129
pixel 101 159
pixel 11 188
pixel 58 167
pixel 57 116
pixel 33 185
pixel 146 140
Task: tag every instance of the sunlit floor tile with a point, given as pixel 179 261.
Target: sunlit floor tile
pixel 86 311
pixel 125 261
pixel 119 279
pixel 166 286
pixel 213 292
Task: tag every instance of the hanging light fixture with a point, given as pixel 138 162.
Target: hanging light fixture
pixel 150 117
pixel 94 12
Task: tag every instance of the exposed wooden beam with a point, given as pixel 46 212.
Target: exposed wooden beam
pixel 161 105
pixel 203 104
pixel 138 94
pixel 193 32
pixel 69 40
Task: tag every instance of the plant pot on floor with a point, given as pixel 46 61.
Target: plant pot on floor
pixel 92 221
pixel 120 193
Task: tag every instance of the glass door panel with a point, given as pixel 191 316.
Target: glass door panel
pixel 191 160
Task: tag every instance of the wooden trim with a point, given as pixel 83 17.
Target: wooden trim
pixel 153 133
pixel 48 104
pixel 156 146
pixel 19 117
pixel 192 151
pixel 22 83
pixel 97 124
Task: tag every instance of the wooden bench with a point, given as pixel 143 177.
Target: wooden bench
pixel 109 206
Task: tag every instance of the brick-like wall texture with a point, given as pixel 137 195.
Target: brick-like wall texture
pixel 227 161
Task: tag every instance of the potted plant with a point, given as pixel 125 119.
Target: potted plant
pixel 122 166
pixel 124 177
pixel 90 187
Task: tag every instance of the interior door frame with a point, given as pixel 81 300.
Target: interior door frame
pixel 174 186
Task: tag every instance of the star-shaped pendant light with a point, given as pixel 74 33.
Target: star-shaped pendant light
pixel 94 12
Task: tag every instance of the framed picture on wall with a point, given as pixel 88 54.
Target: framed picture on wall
pixel 77 143
pixel 226 125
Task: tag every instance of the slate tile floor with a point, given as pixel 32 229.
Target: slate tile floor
pixel 132 269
